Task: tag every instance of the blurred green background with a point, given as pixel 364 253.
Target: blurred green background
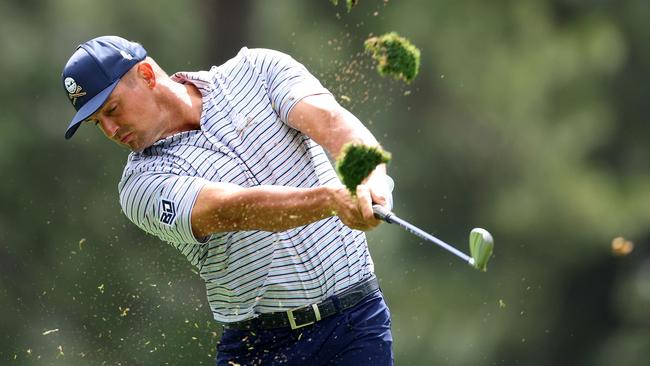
pixel 528 118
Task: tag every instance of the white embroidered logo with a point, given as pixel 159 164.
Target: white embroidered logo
pixel 74 90
pixel 126 55
pixel 70 85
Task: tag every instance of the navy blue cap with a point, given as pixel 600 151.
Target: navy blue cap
pixel 93 71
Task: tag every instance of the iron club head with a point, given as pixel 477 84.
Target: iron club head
pixel 481 246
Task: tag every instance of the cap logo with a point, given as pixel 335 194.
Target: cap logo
pixel 126 55
pixel 74 90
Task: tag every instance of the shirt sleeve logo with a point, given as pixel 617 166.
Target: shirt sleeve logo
pixel 168 212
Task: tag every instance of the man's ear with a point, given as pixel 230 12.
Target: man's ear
pixel 145 71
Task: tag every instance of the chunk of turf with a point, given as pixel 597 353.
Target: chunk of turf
pixel 357 162
pixel 395 56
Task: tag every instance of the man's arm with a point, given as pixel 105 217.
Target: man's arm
pixel 223 207
pixel 323 119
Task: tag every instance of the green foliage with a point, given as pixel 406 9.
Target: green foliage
pixel 395 55
pixel 357 161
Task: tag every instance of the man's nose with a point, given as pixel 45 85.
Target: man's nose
pixel 109 127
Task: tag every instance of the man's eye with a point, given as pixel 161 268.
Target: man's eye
pixel 112 109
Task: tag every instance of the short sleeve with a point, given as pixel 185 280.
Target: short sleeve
pixel 161 204
pixel 288 81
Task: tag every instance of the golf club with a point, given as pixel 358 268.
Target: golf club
pixel 480 240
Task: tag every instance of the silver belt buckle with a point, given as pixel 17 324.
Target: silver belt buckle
pixel 292 319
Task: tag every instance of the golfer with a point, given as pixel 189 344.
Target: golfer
pixel 229 166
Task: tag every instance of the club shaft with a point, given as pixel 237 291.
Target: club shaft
pixel 391 218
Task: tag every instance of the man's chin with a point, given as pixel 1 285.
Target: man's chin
pixel 137 149
pixel 132 147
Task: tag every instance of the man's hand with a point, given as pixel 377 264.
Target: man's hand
pixel 355 211
pixel 380 191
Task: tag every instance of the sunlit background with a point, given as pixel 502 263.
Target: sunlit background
pixel 528 118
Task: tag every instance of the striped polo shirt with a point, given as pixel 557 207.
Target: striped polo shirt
pixel 244 139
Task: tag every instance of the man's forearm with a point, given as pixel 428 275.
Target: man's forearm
pixel 346 128
pixel 329 124
pixel 269 208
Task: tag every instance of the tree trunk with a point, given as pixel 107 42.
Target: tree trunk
pixel 227 28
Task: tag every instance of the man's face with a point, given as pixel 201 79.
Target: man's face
pixel 130 117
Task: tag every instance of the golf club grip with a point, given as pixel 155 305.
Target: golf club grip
pixel 382 213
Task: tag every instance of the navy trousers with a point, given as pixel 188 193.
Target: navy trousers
pixel 357 336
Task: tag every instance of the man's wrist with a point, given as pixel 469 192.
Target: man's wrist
pixel 329 200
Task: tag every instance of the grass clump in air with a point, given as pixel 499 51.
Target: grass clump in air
pixel 357 161
pixel 395 55
pixel 348 3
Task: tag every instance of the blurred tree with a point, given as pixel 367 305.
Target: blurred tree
pixel 227 27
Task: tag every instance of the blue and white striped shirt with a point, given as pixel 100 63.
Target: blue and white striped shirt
pixel 244 139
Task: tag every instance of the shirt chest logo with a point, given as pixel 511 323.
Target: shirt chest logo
pixel 241 122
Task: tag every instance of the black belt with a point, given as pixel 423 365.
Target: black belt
pixel 309 314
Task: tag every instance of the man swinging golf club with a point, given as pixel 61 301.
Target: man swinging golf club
pixel 229 166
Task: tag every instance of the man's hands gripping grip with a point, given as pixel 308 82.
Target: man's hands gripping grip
pixel 362 170
pixel 354 211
